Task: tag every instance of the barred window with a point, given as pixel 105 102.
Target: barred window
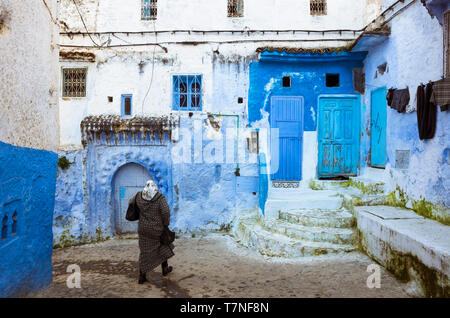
pixel 235 8
pixel 187 92
pixel 318 7
pixel 74 82
pixel 149 9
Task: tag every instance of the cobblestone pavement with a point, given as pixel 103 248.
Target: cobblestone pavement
pixel 214 266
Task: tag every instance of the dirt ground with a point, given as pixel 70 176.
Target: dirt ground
pixel 214 265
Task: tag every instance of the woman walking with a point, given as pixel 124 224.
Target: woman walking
pixel 154 216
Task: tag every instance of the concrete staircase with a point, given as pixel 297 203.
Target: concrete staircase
pixel 299 223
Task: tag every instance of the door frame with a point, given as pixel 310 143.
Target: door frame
pixel 302 130
pixel 357 127
pixel 371 132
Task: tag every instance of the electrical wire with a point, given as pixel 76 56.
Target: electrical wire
pixel 50 13
pixel 85 27
pixel 153 70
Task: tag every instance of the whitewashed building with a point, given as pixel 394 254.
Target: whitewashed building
pixel 181 92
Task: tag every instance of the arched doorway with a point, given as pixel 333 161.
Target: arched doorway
pixel 128 180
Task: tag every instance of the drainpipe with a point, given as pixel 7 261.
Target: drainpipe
pixel 237 173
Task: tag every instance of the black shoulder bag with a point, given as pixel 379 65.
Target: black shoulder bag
pixel 133 210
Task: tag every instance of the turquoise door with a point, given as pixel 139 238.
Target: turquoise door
pixel 338 136
pixel 378 115
pixel 286 116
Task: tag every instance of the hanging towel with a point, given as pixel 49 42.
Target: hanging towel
pixel 400 99
pixel 390 96
pixel 441 94
pixel 426 112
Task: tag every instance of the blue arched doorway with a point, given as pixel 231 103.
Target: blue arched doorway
pixel 128 180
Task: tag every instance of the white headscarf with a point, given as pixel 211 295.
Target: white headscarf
pixel 150 190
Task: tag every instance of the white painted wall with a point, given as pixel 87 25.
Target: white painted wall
pixel 119 15
pixel 28 74
pixel 224 65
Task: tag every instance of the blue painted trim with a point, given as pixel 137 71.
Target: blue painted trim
pixel 122 107
pixel 308 57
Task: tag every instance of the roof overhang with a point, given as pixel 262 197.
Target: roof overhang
pixel 289 55
pixel 437 8
pixel 368 40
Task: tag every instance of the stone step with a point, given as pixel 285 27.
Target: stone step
pixel 310 233
pixel 251 234
pixel 338 218
pixel 308 199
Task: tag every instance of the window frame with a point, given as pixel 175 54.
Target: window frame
pixel 122 105
pixel 63 85
pixel 318 13
pixel 175 93
pixel 150 17
pixel 237 14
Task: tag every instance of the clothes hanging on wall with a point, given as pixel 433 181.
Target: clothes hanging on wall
pixel 426 112
pixel 441 94
pixel 398 99
pixel 359 80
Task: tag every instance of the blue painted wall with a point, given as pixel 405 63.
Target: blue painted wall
pixel 202 195
pixel 307 80
pixel 27 185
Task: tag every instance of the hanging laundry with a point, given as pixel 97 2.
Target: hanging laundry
pixel 441 94
pixel 359 80
pixel 426 112
pixel 390 96
pixel 398 99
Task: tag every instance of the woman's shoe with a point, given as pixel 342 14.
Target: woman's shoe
pixel 167 270
pixel 142 278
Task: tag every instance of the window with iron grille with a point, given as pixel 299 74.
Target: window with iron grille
pixel 318 7
pixel 187 92
pixel 149 9
pixel 74 82
pixel 235 8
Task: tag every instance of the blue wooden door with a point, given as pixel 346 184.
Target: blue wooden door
pixel 338 136
pixel 378 117
pixel 129 180
pixel 286 151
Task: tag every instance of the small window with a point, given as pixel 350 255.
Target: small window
pixel 4 227
pixel 149 9
pixel 332 80
pixel 240 100
pixel 318 7
pixel 74 82
pixel 235 8
pixel 110 99
pixel 187 92
pixel 127 105
pixel 286 81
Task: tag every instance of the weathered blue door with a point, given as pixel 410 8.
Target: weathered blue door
pixel 338 136
pixel 286 150
pixel 378 117
pixel 128 180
